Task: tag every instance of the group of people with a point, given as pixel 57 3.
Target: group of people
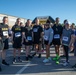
pixel 35 36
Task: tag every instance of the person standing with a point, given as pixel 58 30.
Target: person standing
pixel 67 41
pixel 62 46
pixel 48 37
pixel 28 39
pixel 17 38
pixel 74 66
pixel 37 37
pixel 4 27
pixel 73 28
pixel 1 45
pixel 57 28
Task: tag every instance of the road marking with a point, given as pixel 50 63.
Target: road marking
pixel 21 70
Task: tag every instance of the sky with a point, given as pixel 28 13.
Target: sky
pixel 29 9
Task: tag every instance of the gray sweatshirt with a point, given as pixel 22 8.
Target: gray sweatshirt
pixel 48 35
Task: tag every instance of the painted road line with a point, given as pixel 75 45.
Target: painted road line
pixel 22 69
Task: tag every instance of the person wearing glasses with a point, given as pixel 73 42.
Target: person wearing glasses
pixel 48 37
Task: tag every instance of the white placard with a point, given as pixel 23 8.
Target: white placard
pixel 18 34
pixel 57 36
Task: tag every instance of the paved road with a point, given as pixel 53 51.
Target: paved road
pixel 36 66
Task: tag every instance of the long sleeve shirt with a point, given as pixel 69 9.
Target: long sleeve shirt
pixel 48 35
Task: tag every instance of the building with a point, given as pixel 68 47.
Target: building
pixel 12 19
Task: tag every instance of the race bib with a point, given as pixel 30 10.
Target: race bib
pixel 57 36
pixel 17 34
pixel 5 33
pixel 29 38
pixel 65 38
pixel 35 30
pixel 46 38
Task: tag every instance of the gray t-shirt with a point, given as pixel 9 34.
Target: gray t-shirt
pixel 48 35
pixel 66 36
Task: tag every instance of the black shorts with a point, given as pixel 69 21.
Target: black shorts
pixel 36 42
pixel 27 43
pixel 46 42
pixel 56 42
pixel 1 44
pixel 6 46
pixel 17 43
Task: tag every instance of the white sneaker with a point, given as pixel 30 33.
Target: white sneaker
pixel 46 60
pixel 49 58
pixel 65 64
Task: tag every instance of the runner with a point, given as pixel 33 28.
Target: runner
pixel 17 39
pixel 1 46
pixel 4 28
pixel 62 46
pixel 75 43
pixel 74 66
pixel 37 37
pixel 67 41
pixel 73 28
pixel 48 37
pixel 57 28
pixel 28 39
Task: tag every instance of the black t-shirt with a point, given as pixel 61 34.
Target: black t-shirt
pixel 37 30
pixel 3 30
pixel 57 31
pixel 28 33
pixel 1 33
pixel 17 30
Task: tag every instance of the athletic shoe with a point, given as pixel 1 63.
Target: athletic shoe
pixel 0 69
pixel 49 58
pixel 39 56
pixel 30 56
pixel 33 54
pixel 5 63
pixel 57 62
pixel 46 60
pixel 42 50
pixel 27 58
pixel 19 59
pixel 74 66
pixel 56 58
pixel 14 60
pixel 65 64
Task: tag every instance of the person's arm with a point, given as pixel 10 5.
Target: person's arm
pixel 1 34
pixel 23 33
pixel 12 36
pixel 72 40
pixel 42 33
pixel 51 36
pixel 23 36
pixel 61 38
pixel 8 32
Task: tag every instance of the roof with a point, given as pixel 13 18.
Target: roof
pixel 47 18
pixel 12 16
